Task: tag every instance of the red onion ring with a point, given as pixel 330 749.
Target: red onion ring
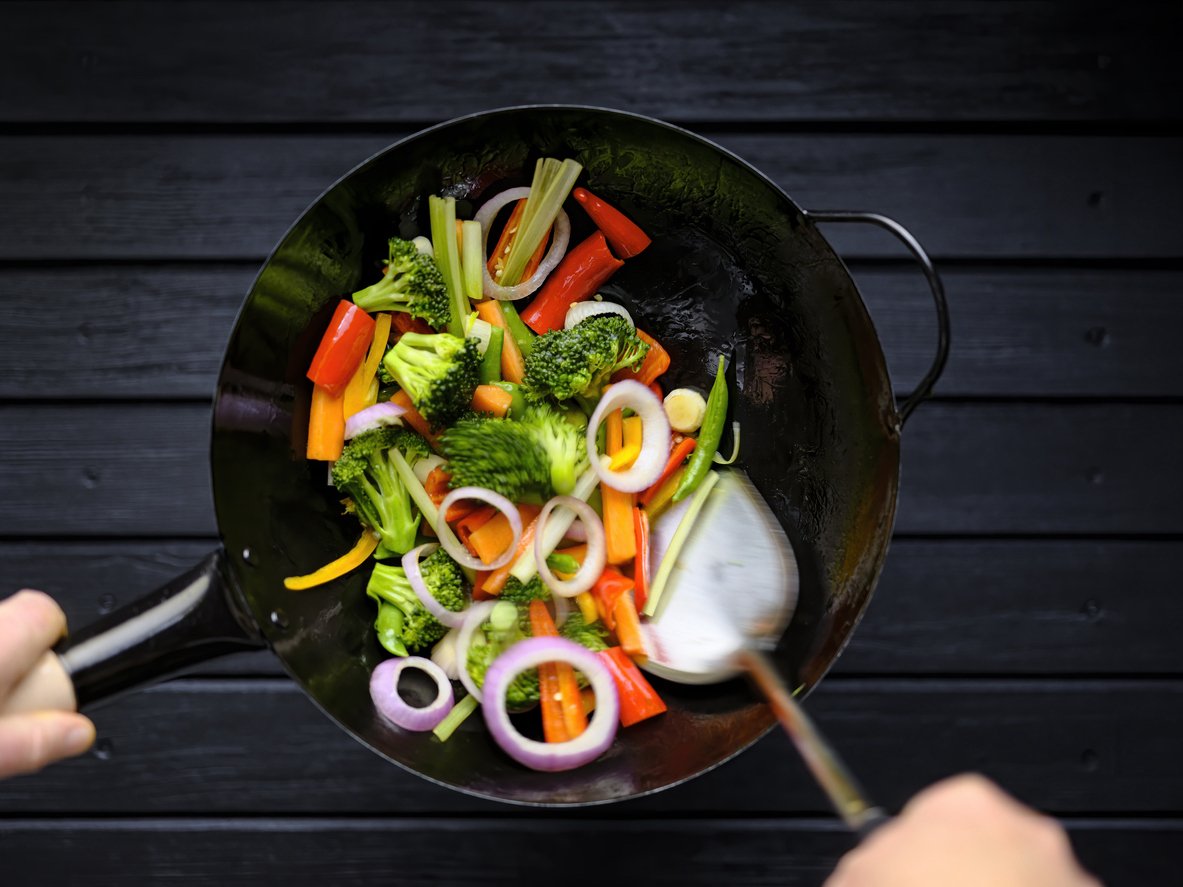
pixel 558 246
pixel 455 547
pixel 372 417
pixel 655 436
pixel 450 618
pixel 473 617
pixel 551 756
pixel 384 692
pixel 597 548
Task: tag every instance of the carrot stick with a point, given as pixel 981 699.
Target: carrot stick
pixel 470 523
pixel 491 399
pixel 678 455
pixel 513 365
pixel 569 701
pixel 656 362
pixel 628 627
pixel 500 576
pixel 326 425
pixel 554 725
pixel 491 538
pixel 414 418
pixel 618 506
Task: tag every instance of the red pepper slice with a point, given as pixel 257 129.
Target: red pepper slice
pixel 638 699
pixel 641 564
pixel 583 270
pixel 626 238
pixel 405 323
pixel 608 588
pixel 342 349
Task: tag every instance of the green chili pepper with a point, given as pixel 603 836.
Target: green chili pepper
pixel 490 369
pixel 517 405
pixel 562 563
pixel 709 436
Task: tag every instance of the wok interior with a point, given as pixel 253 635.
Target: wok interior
pixel 734 269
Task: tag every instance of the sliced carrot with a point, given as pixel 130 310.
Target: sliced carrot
pixel 656 362
pixel 618 506
pixel 478 586
pixel 326 425
pixel 641 565
pixel 491 539
pixel 472 522
pixel 589 700
pixel 491 399
pixel 569 700
pixel 628 626
pixel 498 577
pixel 414 418
pixel 513 365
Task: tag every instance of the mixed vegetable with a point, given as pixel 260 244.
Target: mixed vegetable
pixel 510 471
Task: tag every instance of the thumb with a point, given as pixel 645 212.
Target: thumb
pixel 31 741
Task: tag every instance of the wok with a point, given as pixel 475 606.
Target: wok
pixel 735 267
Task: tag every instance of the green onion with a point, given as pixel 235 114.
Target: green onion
pixel 657 587
pixel 718 457
pixel 552 183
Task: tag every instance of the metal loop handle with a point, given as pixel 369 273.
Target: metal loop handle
pixel 924 387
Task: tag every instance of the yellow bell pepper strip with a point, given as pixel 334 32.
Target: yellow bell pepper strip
pixel 351 560
pixel 360 388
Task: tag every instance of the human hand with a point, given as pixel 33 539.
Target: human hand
pixel 964 831
pixel 30 624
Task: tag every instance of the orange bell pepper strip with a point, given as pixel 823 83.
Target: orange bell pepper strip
pixel 326 425
pixel 608 589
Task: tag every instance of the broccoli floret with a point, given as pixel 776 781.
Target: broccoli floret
pixel 524 461
pixel 523 592
pixel 403 623
pixel 411 283
pixel 594 636
pixel 438 371
pixel 507 625
pixel 366 474
pixel 496 454
pixel 443 578
pixel 577 362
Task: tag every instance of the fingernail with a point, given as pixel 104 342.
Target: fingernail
pixel 78 739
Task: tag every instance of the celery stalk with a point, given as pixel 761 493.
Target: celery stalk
pixel 447 256
pixel 457 716
pixel 657 587
pixel 552 183
pixel 472 259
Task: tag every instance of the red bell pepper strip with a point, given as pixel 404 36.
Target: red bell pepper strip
pixel 342 349
pixel 497 259
pixel 626 238
pixel 656 362
pixel 678 455
pixel 563 716
pixel 641 565
pixel 405 323
pixel 638 699
pixel 583 270
pixel 607 590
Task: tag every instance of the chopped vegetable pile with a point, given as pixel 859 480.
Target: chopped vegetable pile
pixel 506 469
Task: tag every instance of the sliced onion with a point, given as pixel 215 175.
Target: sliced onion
pixel 425 465
pixel 597 548
pixel 443 654
pixel 473 617
pixel 450 618
pixel 576 532
pixel 373 417
pixel 581 311
pixel 551 756
pixel 384 692
pixel 558 246
pixel 655 437
pixel 455 547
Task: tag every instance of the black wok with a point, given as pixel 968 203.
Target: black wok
pixel 735 267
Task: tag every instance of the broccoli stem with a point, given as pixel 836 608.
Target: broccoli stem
pixel 418 493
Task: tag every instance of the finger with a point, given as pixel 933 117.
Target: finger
pixel 30 742
pixel 30 623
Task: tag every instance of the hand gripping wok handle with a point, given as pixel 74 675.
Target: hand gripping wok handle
pixel 925 386
pixel 844 792
pixel 190 619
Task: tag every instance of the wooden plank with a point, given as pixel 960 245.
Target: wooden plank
pixel 769 852
pixel 159 331
pixel 183 196
pixel 261 747
pixel 954 606
pixel 831 61
pixel 1012 468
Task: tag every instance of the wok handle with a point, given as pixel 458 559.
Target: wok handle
pixel 924 389
pixel 188 620
pixel 831 773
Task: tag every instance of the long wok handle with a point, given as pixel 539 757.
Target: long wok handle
pixel 843 790
pixel 925 386
pixel 188 620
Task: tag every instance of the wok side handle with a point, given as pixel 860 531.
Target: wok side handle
pixel 924 388
pixel 187 620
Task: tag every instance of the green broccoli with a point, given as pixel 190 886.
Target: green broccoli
pixel 366 474
pixel 594 636
pixel 404 625
pixel 523 592
pixel 505 627
pixel 411 283
pixel 438 371
pixel 577 362
pixel 525 461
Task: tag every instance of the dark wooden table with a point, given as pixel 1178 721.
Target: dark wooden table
pixel 1028 623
